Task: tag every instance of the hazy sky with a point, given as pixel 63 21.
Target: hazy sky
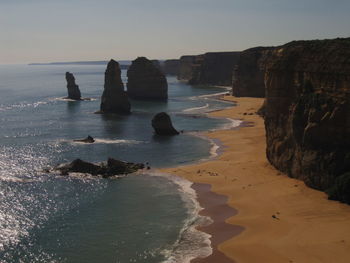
pixel 71 30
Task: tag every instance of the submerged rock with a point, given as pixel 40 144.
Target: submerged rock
pixel 88 139
pixel 146 81
pixel 107 169
pixel 114 98
pixel 162 124
pixel 73 88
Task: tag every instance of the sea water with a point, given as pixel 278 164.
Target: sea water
pixel 141 218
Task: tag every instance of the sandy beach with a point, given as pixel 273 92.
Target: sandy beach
pixel 274 218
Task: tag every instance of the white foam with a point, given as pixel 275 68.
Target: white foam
pixel 233 124
pixel 103 141
pixel 22 105
pixel 68 99
pixel 197 108
pixel 209 95
pixel 191 243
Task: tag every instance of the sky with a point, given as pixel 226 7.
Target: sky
pixel 78 30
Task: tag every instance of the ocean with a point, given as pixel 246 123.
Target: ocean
pixel 146 217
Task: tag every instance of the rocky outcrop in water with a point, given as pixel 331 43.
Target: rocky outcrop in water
pixel 185 68
pixel 307 113
pixel 146 81
pixel 162 124
pixel 171 67
pixel 73 88
pixel 249 73
pixel 114 99
pixel 110 168
pixel 214 68
pixel 88 139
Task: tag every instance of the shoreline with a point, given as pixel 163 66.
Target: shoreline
pixel 283 220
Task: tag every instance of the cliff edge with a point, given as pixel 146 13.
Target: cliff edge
pixel 307 113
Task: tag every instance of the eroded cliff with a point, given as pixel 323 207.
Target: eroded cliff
pixel 307 113
pixel 185 67
pixel 171 67
pixel 249 73
pixel 214 68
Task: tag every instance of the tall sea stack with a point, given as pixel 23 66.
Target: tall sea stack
pixel 146 81
pixel 73 88
pixel 307 113
pixel 114 98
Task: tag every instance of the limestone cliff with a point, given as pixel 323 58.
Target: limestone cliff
pixel 114 98
pixel 249 73
pixel 185 67
pixel 72 87
pixel 307 113
pixel 214 68
pixel 146 81
pixel 171 67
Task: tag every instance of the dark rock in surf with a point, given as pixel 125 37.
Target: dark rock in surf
pixel 110 168
pixel 79 166
pixel 114 98
pixel 162 124
pixel 73 88
pixel 146 81
pixel 88 139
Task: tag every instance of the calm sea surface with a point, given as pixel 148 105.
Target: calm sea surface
pixel 141 218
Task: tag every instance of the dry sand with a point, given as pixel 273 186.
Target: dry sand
pixel 283 220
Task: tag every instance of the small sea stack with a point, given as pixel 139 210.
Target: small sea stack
pixel 146 81
pixel 162 124
pixel 73 88
pixel 114 99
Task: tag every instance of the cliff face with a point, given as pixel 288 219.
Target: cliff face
pixel 185 67
pixel 249 73
pixel 146 81
pixel 214 68
pixel 72 87
pixel 114 98
pixel 307 113
pixel 171 67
